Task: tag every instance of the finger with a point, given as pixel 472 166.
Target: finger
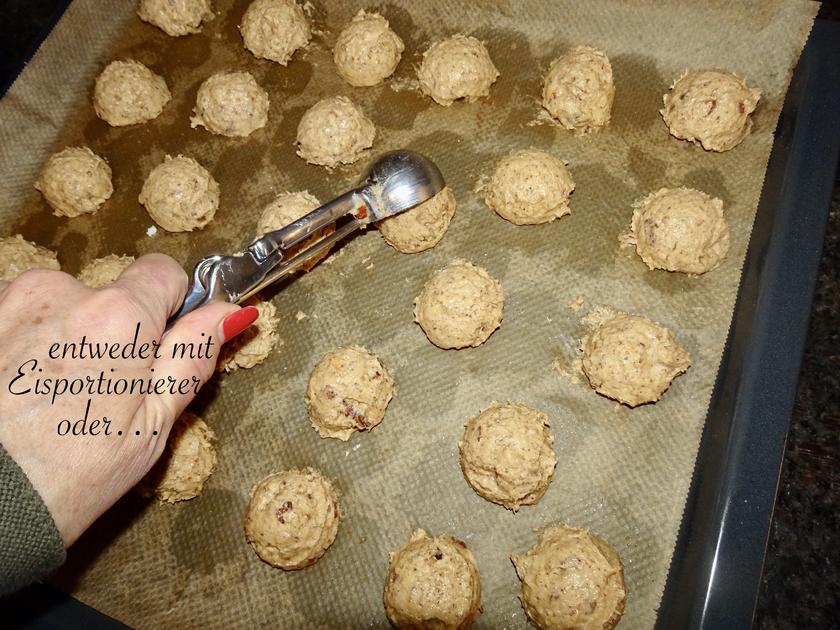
pixel 157 282
pixel 190 349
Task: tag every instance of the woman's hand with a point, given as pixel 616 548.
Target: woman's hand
pixel 81 476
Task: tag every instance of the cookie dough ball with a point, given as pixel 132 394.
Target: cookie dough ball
pixel 231 104
pixel 348 391
pixel 176 17
pixel 460 306
pixel 275 29
pixel 571 580
pixel 422 227
pixel 186 463
pixel 334 131
pixel 288 208
pixel 18 255
pixel 432 583
pixel 530 186
pixel 455 68
pixel 180 195
pixel 252 346
pixel 578 90
pixel 75 181
pixel 102 271
pixel 507 454
pixel 292 518
pixel 680 229
pixel 367 50
pixel 631 359
pixel 128 93
pixel 711 108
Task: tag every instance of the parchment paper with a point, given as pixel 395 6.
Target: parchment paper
pixel 621 473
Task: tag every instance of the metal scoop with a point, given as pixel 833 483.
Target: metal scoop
pixel 394 183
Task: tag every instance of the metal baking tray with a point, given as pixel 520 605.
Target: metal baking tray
pixel 717 564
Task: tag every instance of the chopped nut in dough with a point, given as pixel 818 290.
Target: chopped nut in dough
pixel 421 227
pixel 231 104
pixel 75 181
pixel 711 108
pixel 18 255
pixel 128 93
pixel 253 345
pixel 571 580
pixel 456 68
pixel 176 17
pixel 578 90
pixel 186 463
pixel 180 195
pixel 292 518
pixel 367 50
pixel 105 270
pixel 432 583
pixel 507 454
pixel 529 187
pixel 460 306
pixel 334 131
pixel 348 391
pixel 631 359
pixel 680 229
pixel 275 29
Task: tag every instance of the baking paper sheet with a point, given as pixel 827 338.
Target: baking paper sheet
pixel 622 473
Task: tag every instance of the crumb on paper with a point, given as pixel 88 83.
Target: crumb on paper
pixel 300 316
pixel 626 239
pixel 598 315
pixel 332 257
pixel 151 230
pixel 366 259
pixel 406 84
pixel 576 304
pixel 481 183
pixel 369 267
pixel 570 370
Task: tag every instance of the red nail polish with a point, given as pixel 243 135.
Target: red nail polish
pixel 236 322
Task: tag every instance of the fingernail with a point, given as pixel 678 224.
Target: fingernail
pixel 236 322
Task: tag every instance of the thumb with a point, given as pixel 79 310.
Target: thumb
pixel 189 351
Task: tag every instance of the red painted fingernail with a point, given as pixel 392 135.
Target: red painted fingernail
pixel 236 322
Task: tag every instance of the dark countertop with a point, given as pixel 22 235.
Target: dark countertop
pixel 801 582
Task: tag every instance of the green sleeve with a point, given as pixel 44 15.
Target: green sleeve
pixel 30 545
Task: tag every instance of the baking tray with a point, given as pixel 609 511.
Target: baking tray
pixel 717 563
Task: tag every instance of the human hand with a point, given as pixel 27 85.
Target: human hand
pixel 81 476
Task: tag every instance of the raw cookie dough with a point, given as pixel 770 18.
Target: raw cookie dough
pixel 367 50
pixel 507 454
pixel 680 229
pixel 75 181
pixel 128 93
pixel 348 391
pixel 176 17
pixel 18 255
pixel 578 90
pixel 334 131
pixel 571 580
pixel 231 104
pixel 288 208
pixel 530 186
pixel 186 463
pixel 180 195
pixel 457 67
pixel 460 306
pixel 253 345
pixel 275 29
pixel 432 583
pixel 422 227
pixel 711 108
pixel 631 359
pixel 292 518
pixel 102 271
